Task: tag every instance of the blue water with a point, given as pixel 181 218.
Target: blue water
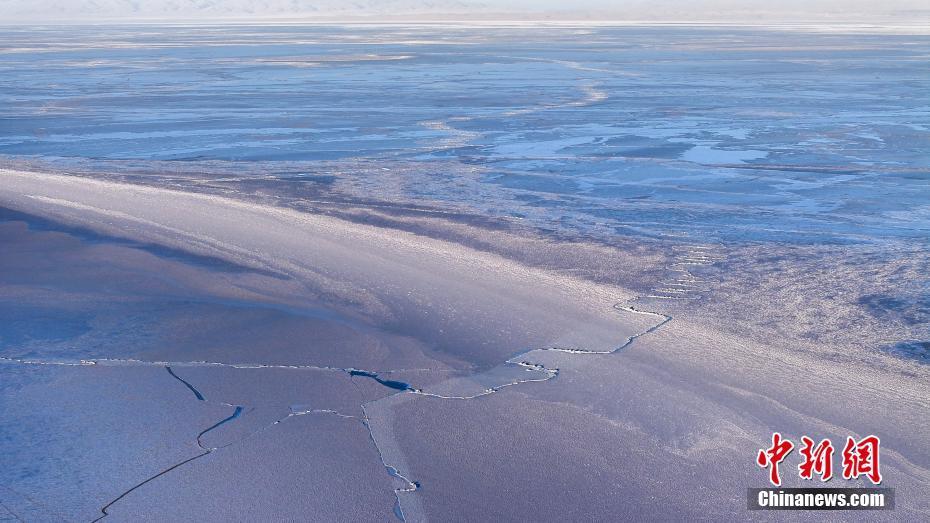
pixel 393 384
pixel 692 133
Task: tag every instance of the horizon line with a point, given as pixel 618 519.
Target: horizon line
pixel 502 22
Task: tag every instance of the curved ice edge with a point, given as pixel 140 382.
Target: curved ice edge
pixel 519 363
pixel 511 372
pixel 508 373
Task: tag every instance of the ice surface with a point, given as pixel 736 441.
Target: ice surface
pixel 506 309
pixel 663 428
pixel 350 244
pixel 76 437
pixel 313 467
pixel 678 401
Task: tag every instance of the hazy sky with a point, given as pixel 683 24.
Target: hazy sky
pixel 760 11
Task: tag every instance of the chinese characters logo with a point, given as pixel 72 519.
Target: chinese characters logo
pixel 860 458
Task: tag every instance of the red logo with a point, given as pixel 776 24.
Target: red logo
pixel 774 455
pixel 816 460
pixel 860 458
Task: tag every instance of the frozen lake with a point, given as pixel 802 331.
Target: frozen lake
pixel 723 134
pixel 414 272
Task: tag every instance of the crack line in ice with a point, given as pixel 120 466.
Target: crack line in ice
pixel 206 450
pixel 188 385
pixel 106 507
pixel 117 362
pixel 520 360
pixel 209 450
pixel 410 486
pixel 231 417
